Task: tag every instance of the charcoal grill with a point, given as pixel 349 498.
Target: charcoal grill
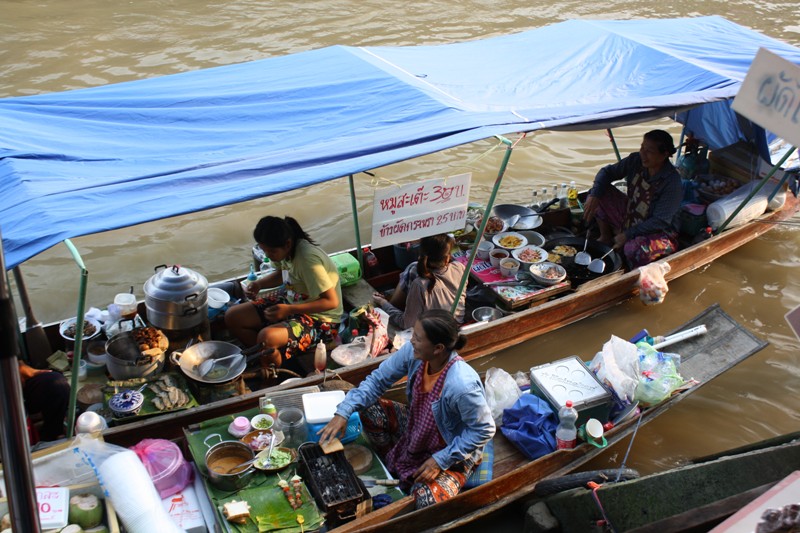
pixel 336 488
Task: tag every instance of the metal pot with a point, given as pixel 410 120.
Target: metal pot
pixel 189 360
pixel 228 453
pixel 124 360
pixel 176 298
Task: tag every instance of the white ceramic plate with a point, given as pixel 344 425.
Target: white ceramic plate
pixel 521 251
pixel 522 241
pixel 62 328
pixel 529 222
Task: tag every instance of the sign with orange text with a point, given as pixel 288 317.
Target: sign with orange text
pixel 416 210
pixel 770 95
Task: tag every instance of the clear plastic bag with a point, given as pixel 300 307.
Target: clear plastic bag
pixel 652 285
pixel 502 392
pixel 659 375
pixel 617 366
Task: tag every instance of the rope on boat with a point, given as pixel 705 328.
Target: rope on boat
pixel 605 521
pixel 630 445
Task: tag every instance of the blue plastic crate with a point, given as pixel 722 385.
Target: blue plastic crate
pixel 351 434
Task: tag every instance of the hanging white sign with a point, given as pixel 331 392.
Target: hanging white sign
pixel 770 95
pixel 416 210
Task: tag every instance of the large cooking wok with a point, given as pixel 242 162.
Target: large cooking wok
pixel 189 360
pixel 579 274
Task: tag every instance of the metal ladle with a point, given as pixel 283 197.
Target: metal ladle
pixel 583 258
pixel 207 366
pixel 598 265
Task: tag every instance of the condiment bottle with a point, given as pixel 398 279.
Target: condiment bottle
pixel 572 195
pixel 567 432
pixel 371 266
pixel 268 408
pixel 239 427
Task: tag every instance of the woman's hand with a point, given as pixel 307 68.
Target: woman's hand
pixel 589 208
pixel 380 301
pixel 252 289
pixel 333 429
pixel 428 472
pixel 277 312
pixel 620 240
pixel 27 372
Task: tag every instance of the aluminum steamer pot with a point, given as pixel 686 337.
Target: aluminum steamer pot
pixel 176 298
pixel 228 453
pixel 124 360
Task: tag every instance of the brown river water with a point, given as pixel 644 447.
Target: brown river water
pixel 49 45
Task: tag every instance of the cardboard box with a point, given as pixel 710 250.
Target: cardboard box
pixel 570 379
pixel 184 509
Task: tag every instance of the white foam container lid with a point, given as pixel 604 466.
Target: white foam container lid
pixel 319 407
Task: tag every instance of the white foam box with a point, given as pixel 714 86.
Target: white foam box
pixel 319 407
pixel 184 509
pixel 570 379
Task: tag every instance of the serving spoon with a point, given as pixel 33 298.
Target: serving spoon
pixel 598 265
pixel 207 366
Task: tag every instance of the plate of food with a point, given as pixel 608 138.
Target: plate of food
pixel 529 254
pixel 495 225
pixel 280 459
pixel 91 328
pixel 509 240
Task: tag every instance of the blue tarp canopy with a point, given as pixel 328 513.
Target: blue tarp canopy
pixel 91 160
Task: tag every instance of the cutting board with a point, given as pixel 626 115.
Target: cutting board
pixel 359 457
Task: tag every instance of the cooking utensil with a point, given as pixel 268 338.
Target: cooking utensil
pixel 176 298
pixel 36 343
pixel 190 359
pixel 208 365
pixel 598 265
pixel 368 482
pixel 259 455
pixel 223 450
pixel 579 274
pixel 268 463
pixel 583 258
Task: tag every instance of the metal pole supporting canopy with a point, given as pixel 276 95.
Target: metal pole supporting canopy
pixel 17 467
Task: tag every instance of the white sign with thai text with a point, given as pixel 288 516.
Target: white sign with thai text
pixel 770 95
pixel 416 210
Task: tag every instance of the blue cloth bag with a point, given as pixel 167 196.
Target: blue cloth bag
pixel 531 425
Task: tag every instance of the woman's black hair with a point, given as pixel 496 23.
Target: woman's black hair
pixel 663 141
pixel 441 328
pixel 434 252
pixel 273 232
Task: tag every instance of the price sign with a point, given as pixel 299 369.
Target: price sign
pixel 402 214
pixel 53 505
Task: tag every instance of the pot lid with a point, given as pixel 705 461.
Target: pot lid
pixel 176 284
pixel 126 401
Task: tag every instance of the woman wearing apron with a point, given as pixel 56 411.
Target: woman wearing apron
pixel 433 443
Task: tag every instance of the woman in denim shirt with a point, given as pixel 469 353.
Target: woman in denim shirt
pixel 433 443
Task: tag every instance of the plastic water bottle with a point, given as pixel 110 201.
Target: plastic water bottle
pixel 567 432
pixel 251 277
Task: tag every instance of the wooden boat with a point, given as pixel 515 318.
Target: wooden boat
pixel 590 298
pixel 515 477
pixel 693 497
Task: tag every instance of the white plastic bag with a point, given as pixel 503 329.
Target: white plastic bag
pixel 502 392
pixel 719 211
pixel 652 285
pixel 617 366
pixel 401 337
pixel 351 353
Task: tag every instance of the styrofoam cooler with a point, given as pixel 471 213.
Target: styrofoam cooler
pixel 570 379
pixel 319 408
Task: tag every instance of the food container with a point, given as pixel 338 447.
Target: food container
pixel 348 267
pixel 509 267
pixel 486 314
pixel 351 433
pixel 125 361
pixel 91 328
pixel 126 303
pixel 176 298
pixel 239 427
pixel 96 352
pixel 223 456
pixel 484 248
pixel 217 298
pixel 126 403
pixel 319 407
pixel 570 379
pixel 322 471
pixel 548 273
pixel 496 255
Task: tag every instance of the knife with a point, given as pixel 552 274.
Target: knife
pixel 369 482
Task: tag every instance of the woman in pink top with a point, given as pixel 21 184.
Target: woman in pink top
pixel 430 283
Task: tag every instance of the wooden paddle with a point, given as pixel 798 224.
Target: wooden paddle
pixel 36 343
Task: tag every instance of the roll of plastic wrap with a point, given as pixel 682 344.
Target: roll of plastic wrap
pixel 134 496
pixel 719 211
